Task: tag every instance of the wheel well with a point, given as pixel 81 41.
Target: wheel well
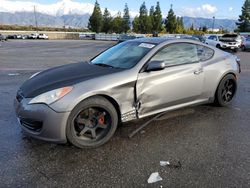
pixel 217 45
pixel 226 75
pixel 232 74
pixel 114 103
pixel 222 79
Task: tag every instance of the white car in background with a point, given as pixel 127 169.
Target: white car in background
pixel 226 42
pixel 42 36
pixel 33 36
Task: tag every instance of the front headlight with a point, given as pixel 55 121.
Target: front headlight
pixel 51 96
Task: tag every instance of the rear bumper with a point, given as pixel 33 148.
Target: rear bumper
pixel 41 122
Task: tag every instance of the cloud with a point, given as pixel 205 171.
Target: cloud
pixel 205 10
pixel 230 9
pixel 61 7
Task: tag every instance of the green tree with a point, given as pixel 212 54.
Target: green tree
pixel 150 19
pixel 107 19
pixel 192 27
pixel 117 23
pixel 179 25
pixel 136 24
pixel 143 19
pixel 244 18
pixel 151 11
pixel 157 18
pixel 204 29
pixel 96 20
pixel 171 22
pixel 126 24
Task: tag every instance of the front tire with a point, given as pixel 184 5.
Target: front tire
pixel 226 91
pixel 92 123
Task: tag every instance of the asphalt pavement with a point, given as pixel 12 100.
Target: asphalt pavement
pixel 208 147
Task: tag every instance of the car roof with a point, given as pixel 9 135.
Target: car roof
pixel 160 40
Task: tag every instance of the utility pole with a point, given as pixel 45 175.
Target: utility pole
pixel 213 22
pixel 35 18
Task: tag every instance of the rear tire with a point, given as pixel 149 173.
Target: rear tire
pixel 92 123
pixel 226 91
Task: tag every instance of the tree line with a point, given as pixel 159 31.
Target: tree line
pixel 147 22
pixel 99 22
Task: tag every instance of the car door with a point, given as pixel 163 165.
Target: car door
pixel 181 81
pixel 212 40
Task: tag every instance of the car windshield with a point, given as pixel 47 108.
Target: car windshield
pixel 124 55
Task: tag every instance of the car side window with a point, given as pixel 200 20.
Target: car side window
pixel 212 37
pixel 204 53
pixel 177 54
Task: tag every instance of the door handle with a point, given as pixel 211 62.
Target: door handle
pixel 197 72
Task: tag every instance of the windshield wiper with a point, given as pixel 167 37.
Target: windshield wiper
pixel 104 65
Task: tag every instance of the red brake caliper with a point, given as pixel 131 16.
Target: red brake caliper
pixel 101 120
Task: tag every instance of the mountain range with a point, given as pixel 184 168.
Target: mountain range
pixel 76 15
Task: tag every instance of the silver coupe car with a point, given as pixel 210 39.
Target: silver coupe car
pixel 83 103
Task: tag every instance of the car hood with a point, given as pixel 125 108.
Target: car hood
pixel 62 76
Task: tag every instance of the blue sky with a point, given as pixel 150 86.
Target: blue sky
pixel 205 8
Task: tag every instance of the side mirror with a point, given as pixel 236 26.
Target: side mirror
pixel 155 66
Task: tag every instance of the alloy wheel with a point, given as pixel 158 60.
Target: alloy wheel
pixel 92 124
pixel 228 91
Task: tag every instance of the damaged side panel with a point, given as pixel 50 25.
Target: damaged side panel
pixel 126 95
pixel 158 90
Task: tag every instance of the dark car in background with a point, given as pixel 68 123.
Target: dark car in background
pixel 12 36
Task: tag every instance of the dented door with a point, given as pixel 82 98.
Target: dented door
pixel 180 82
pixel 169 87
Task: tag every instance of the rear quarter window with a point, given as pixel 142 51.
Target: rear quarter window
pixel 204 53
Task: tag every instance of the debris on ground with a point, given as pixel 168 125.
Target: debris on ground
pixel 164 163
pixel 160 117
pixel 154 177
pixel 174 114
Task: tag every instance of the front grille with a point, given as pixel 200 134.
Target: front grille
pixel 19 96
pixel 31 124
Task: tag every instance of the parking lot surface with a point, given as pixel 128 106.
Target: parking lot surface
pixel 209 147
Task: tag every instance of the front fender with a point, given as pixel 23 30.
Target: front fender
pixel 121 90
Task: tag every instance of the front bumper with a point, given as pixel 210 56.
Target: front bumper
pixel 41 122
pixel 231 47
